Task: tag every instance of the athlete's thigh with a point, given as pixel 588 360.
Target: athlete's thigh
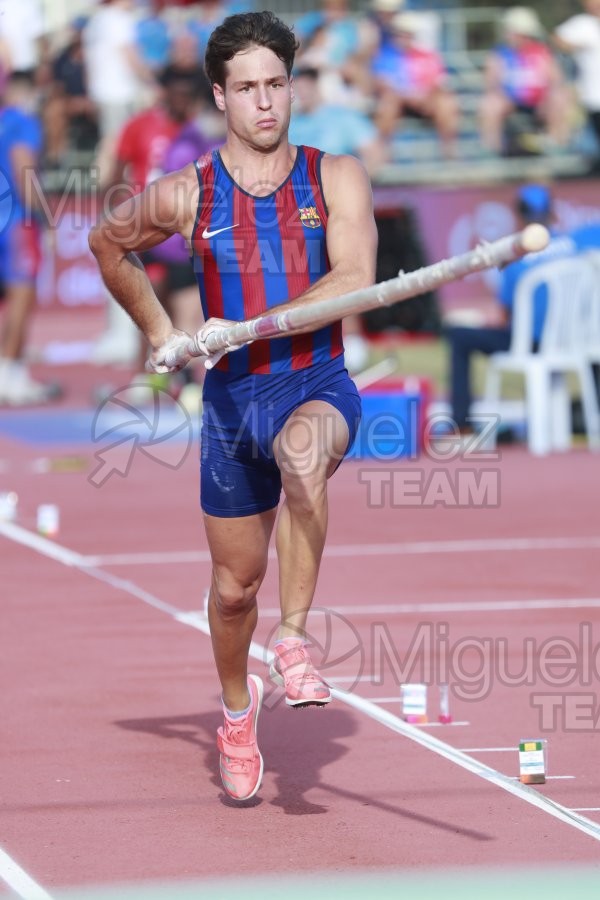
pixel 239 546
pixel 312 441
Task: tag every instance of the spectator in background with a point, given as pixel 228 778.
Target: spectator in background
pixel 330 34
pixel 329 41
pixel 334 129
pixel 140 159
pixel 119 82
pixel 379 24
pixel 20 147
pixel 185 61
pixel 178 286
pixel 522 76
pixel 376 35
pixel 409 80
pixel 580 36
pixel 69 114
pixel 207 15
pixel 534 204
pixel 153 40
pixel 116 74
pixel 21 34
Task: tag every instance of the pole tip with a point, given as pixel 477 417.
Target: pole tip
pixel 535 238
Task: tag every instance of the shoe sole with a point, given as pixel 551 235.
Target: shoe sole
pixel 296 704
pixel 260 690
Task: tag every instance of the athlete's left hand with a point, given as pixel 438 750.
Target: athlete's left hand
pixel 210 327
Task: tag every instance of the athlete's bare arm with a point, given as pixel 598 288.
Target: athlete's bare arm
pixel 351 230
pixel 167 206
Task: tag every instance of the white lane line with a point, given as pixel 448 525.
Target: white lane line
pixel 586 809
pixel 76 561
pixel 405 609
pixel 19 881
pixel 361 704
pixel 413 548
pixel 174 557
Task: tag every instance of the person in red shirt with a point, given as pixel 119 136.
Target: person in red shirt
pixel 522 75
pixel 146 137
pixel 410 80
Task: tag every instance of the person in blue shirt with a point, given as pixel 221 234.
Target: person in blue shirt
pixel 587 237
pixel 331 127
pixel 152 37
pixel 534 204
pixel 332 29
pixel 20 213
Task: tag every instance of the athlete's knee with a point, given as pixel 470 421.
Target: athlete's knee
pixel 235 595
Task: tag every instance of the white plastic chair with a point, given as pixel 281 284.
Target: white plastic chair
pixel 573 306
pixel 592 341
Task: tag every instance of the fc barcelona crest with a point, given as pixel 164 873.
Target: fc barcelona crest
pixel 309 216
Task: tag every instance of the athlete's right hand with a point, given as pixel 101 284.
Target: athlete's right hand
pixel 177 345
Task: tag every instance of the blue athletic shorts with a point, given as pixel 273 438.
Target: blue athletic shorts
pixel 241 417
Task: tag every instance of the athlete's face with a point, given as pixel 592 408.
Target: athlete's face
pixel 256 97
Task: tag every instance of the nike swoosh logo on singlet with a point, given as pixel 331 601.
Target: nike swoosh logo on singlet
pixel 208 234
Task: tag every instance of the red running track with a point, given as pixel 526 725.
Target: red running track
pixel 109 767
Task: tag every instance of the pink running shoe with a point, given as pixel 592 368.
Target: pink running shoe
pixel 292 669
pixel 241 762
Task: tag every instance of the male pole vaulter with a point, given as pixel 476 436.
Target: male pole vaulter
pixel 269 225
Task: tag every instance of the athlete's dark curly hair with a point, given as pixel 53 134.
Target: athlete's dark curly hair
pixel 241 31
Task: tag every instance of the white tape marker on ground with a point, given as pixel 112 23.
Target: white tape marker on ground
pixel 489 749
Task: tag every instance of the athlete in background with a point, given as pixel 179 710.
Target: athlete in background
pixel 270 225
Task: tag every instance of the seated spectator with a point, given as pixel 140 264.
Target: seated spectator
pixel 206 16
pixel 580 36
pixel 117 77
pixel 334 129
pixel 410 80
pixel 329 35
pixel 523 76
pixel 69 114
pixel 329 41
pixel 152 37
pixel 379 23
pixel 21 34
pixel 534 204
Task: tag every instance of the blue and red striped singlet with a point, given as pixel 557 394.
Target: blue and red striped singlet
pixel 252 253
